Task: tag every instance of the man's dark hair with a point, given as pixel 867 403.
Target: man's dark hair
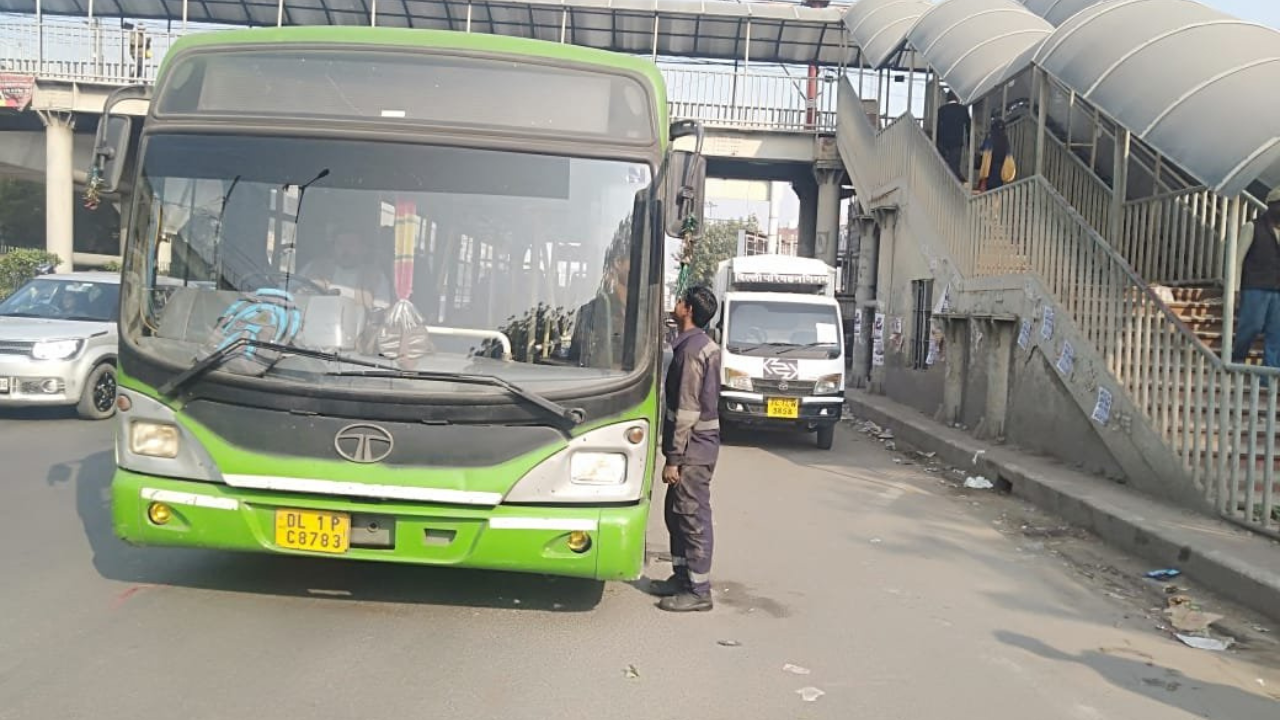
pixel 951 97
pixel 702 302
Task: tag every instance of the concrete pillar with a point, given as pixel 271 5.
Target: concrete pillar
pixel 807 193
pixel 956 337
pixel 998 344
pixel 885 250
pixel 827 226
pixel 864 299
pixel 59 187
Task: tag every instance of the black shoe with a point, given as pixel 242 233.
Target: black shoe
pixel 686 602
pixel 673 585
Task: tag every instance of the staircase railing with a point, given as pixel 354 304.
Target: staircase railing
pixel 1173 238
pixel 1089 194
pixel 1214 417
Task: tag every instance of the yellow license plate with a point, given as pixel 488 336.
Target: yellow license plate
pixel 783 407
pixel 314 531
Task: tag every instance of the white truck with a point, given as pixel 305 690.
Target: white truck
pixel 782 351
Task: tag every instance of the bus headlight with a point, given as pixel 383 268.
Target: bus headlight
pixel 737 379
pixel 159 440
pixel 55 349
pixel 605 465
pixel 151 441
pixel 828 384
pixel 598 468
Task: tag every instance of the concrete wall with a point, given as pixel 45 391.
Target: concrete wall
pixel 1040 413
pixel 902 262
pixel 1044 417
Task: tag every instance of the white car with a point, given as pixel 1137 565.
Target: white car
pixel 58 343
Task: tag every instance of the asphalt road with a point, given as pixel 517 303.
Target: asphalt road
pixel 900 596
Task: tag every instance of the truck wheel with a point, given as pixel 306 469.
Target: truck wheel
pixel 98 400
pixel 826 436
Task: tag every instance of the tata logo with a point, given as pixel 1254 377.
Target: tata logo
pixel 363 443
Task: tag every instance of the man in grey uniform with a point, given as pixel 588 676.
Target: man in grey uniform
pixel 691 444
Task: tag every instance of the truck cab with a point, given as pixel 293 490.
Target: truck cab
pixel 782 350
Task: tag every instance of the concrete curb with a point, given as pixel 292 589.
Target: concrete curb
pixel 1239 565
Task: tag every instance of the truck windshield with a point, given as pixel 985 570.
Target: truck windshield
pixel 757 327
pixel 436 258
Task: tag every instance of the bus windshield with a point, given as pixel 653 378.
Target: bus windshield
pixel 432 258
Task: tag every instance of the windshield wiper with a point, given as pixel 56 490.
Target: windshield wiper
pixel 804 347
pixel 573 416
pixel 222 355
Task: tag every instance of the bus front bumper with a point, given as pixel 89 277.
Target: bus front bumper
pixel 511 538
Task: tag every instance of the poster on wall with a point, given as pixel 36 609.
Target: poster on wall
pixel 1067 359
pixel 1024 334
pixel 1046 327
pixel 877 327
pixel 877 352
pixel 857 326
pixel 935 345
pixel 943 305
pixel 1102 409
pixel 16 90
pixel 895 335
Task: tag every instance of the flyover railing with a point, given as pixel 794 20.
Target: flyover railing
pixel 108 52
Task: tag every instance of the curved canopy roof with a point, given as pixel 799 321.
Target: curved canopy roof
pixel 1197 85
pixel 779 32
pixel 1057 11
pixel 880 27
pixel 974 45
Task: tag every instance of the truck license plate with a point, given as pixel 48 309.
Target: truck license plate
pixel 313 530
pixel 782 407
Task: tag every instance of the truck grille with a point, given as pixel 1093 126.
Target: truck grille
pixel 794 388
pixel 8 347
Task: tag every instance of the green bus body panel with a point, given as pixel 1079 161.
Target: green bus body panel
pixel 616 552
pixel 232 459
pixel 435 39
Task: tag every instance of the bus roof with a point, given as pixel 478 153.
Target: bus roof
pixel 413 38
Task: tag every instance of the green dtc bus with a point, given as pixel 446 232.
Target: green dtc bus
pixel 395 295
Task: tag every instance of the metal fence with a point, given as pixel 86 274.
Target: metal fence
pixel 106 52
pixel 1170 238
pixel 746 100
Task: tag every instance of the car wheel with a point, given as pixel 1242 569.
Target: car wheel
pixel 826 437
pixel 98 400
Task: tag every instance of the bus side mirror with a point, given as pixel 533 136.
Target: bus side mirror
pixel 685 183
pixel 111 144
pixel 111 149
pixel 686 186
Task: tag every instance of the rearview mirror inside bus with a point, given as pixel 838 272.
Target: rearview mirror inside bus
pixel 685 185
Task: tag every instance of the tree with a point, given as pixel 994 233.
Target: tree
pixel 719 242
pixel 19 266
pixel 22 220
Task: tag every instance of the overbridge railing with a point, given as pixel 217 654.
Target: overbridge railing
pixel 106 52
